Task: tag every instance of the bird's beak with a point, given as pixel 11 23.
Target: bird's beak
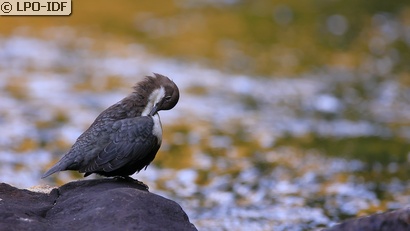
pixel 154 110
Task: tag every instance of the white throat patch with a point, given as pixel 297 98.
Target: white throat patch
pixel 153 99
pixel 157 129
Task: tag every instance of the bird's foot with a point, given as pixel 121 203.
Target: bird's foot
pixel 130 179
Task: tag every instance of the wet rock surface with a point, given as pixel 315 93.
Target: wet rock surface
pixel 398 220
pixel 103 204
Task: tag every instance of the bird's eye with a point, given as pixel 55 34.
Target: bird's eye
pixel 167 97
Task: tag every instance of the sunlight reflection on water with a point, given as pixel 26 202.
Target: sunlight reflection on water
pixel 43 112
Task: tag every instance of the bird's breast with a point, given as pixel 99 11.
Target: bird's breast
pixel 157 128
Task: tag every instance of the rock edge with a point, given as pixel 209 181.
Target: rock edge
pixel 397 220
pixel 103 204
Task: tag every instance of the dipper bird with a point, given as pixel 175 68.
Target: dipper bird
pixel 124 138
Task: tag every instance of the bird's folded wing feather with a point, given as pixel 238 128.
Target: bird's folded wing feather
pixel 131 140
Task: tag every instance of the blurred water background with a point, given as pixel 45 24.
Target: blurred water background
pixel 294 115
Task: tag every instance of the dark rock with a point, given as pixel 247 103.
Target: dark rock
pixel 104 204
pixel 398 220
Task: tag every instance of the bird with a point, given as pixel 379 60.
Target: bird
pixel 125 137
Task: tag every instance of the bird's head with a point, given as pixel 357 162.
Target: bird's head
pixel 163 94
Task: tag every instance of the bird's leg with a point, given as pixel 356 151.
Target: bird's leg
pixel 130 179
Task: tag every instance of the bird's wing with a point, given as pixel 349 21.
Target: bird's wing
pixel 86 147
pixel 131 140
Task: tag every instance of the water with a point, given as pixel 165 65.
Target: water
pixel 220 158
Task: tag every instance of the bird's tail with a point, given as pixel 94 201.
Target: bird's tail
pixel 52 170
pixel 60 166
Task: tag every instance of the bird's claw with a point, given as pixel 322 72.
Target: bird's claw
pixel 130 179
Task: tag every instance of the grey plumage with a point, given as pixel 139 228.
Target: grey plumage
pixel 124 138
